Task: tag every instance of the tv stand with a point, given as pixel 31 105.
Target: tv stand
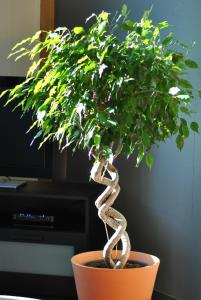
pixel 42 224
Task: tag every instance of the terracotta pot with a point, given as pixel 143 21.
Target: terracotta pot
pixel 109 284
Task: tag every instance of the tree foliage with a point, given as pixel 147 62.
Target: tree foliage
pixel 117 85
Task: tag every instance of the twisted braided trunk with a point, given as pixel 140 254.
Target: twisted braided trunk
pixel 109 215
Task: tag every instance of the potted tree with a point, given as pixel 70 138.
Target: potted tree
pixel 116 87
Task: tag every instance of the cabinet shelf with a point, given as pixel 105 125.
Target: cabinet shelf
pixel 49 213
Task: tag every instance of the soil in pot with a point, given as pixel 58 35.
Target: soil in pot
pixel 129 265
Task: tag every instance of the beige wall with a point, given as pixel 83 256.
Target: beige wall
pixel 18 20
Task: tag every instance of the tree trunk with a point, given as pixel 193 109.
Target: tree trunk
pixel 109 215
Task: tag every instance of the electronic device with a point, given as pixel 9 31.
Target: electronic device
pixel 17 157
pixel 11 183
pixel 25 218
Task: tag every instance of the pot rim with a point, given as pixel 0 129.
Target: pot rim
pixel 155 261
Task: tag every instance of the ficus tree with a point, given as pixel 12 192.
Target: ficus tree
pixel 116 86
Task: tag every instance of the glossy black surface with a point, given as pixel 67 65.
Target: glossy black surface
pixel 17 157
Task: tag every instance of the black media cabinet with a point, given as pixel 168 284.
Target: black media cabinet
pixel 41 214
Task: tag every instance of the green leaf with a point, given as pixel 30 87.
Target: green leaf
pixel 124 10
pixel 3 93
pixel 104 16
pixel 191 64
pixel 103 54
pixel 36 50
pixel 139 30
pixel 140 156
pixel 128 25
pixel 149 160
pixel 185 131
pixel 38 134
pixel 146 139
pixel 113 123
pixel 147 13
pixel 21 43
pixel 33 67
pixel 183 121
pixel 82 59
pixel 146 24
pixel 194 126
pixel 53 91
pixel 102 118
pixel 38 86
pixel 184 128
pixel 108 152
pixel 90 66
pixel 156 32
pixel 21 55
pixel 185 110
pixel 180 142
pixel 185 83
pixel 168 40
pixel 163 24
pixel 177 57
pixel 78 30
pixel 101 27
pixel 36 36
pixel 17 52
pixel 97 139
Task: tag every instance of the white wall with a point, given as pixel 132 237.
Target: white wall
pixel 18 20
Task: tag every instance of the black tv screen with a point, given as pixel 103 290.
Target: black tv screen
pixel 17 157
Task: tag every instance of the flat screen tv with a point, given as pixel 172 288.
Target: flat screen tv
pixel 17 157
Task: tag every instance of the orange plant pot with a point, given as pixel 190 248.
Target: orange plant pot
pixel 109 284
